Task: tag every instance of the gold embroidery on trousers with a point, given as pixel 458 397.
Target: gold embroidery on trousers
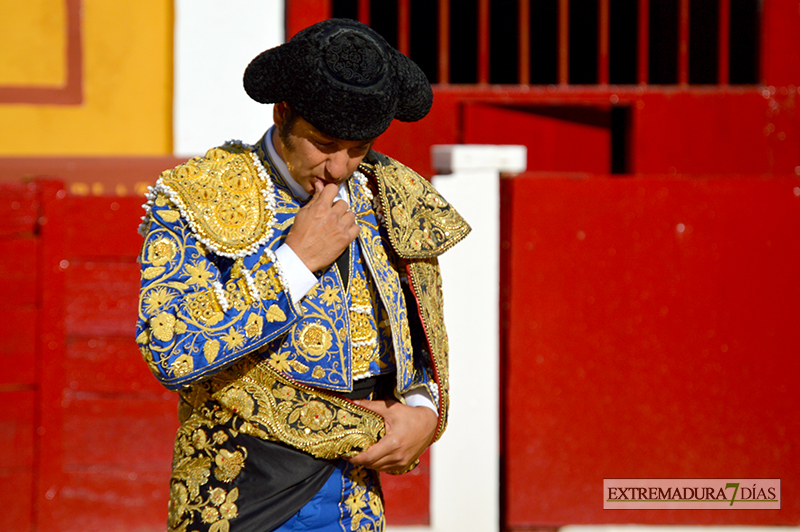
pixel 196 457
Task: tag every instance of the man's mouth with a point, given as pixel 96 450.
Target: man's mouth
pixel 326 181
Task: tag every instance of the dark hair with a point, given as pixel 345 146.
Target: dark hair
pixel 285 129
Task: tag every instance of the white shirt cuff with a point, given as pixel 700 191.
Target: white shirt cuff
pixel 420 397
pixel 295 272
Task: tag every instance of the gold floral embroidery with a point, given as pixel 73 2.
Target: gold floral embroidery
pixel 211 350
pixel 216 496
pixel 238 401
pixel 280 361
pixel 152 272
pixel 233 338
pixel 268 283
pixel 162 326
pixel 199 274
pixel 255 324
pixel 194 458
pixel 364 334
pixel 274 313
pixel 391 315
pixel 421 223
pixel 223 190
pixel 156 299
pixel 375 503
pixel 270 406
pixel 422 238
pixel 161 251
pixel 314 416
pixel 314 339
pixel 427 286
pixel 170 215
pixel 183 365
pixel 235 296
pixel 210 514
pixel 330 295
pixel 229 464
pixel 364 503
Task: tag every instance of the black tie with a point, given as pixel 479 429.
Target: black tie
pixel 343 263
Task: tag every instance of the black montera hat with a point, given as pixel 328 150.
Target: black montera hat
pixel 343 78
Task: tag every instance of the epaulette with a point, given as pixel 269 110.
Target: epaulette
pixel 226 198
pixel 420 222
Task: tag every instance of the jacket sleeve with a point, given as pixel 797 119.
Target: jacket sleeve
pixel 199 312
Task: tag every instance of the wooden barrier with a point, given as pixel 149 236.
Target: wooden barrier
pixel 649 330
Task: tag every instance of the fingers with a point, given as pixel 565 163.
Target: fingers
pixel 379 407
pixel 380 457
pixel 322 228
pixel 324 193
pixel 408 433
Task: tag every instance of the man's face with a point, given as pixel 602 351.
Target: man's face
pixel 314 156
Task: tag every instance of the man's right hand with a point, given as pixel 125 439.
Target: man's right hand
pixel 322 229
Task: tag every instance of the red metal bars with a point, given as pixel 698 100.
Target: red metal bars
pixel 643 43
pixel 363 11
pixel 404 26
pixel 524 42
pixel 483 41
pixel 444 41
pixel 603 19
pixel 524 39
pixel 683 42
pixel 723 67
pixel 563 42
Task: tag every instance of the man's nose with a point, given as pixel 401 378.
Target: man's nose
pixel 337 164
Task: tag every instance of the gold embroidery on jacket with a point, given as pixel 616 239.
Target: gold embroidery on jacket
pixel 420 222
pixel 363 332
pixel 427 286
pixel 393 313
pixel 261 402
pixel 314 340
pixel 221 193
pixel 204 308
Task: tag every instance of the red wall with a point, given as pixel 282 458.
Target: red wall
pixel 650 331
pixel 90 428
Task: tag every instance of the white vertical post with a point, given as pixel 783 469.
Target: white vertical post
pixel 465 472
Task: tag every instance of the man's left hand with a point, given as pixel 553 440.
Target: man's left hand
pixel 409 431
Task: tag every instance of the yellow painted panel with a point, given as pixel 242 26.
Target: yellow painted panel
pixel 33 43
pixel 127 89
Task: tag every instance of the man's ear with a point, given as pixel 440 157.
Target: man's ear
pixel 279 114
